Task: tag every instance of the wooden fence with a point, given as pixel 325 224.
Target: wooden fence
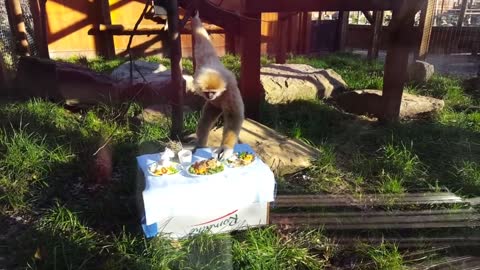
pixel 69 25
pixel 443 40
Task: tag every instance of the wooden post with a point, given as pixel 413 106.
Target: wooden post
pixel 36 7
pixel 425 27
pixel 177 81
pixel 250 87
pixel 281 48
pixel 229 42
pixel 342 28
pixel 377 28
pixel 370 17
pixel 43 18
pixel 107 47
pixel 395 75
pixel 305 33
pixel 3 79
pixel 18 26
pixel 463 9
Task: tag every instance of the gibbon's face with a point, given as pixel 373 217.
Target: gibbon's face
pixel 212 94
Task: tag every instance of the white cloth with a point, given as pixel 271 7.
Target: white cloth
pixel 185 195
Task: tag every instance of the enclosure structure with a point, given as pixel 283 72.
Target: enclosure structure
pixel 242 21
pixel 243 17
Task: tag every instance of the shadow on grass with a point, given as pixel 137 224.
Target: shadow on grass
pixel 108 209
pixel 440 150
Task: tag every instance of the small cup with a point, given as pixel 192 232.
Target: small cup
pixel 185 157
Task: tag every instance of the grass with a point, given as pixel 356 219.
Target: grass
pixel 351 67
pixel 69 220
pixel 382 257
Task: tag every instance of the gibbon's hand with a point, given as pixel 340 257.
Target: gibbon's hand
pixel 223 153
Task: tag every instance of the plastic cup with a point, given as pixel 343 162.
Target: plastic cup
pixel 185 157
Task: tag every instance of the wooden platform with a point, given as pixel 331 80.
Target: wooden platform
pixel 370 212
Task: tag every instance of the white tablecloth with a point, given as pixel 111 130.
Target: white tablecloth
pixel 185 195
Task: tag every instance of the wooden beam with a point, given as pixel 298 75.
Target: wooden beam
pixel 107 46
pixel 463 9
pixel 379 220
pixel 177 81
pixel 19 30
pixel 425 27
pixel 250 87
pixel 395 75
pixel 342 27
pixel 375 41
pixel 367 200
pixel 370 17
pixel 213 14
pixel 312 5
pixel 120 30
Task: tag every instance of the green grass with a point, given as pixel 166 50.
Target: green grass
pixel 263 249
pixel 356 72
pixel 71 223
pixel 382 257
pixel 420 155
pixel 46 153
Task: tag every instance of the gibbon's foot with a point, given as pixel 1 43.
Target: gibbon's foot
pixel 223 153
pixel 197 147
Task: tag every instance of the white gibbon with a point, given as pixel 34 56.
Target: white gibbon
pixel 220 89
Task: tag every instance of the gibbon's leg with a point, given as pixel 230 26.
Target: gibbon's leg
pixel 231 129
pixel 208 118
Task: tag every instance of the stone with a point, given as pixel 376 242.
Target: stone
pixel 145 68
pixel 281 154
pixel 155 84
pixel 79 85
pixel 63 82
pixel 369 102
pixel 420 72
pixel 156 113
pixel 284 83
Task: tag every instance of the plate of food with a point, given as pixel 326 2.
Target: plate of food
pixel 205 167
pixel 157 169
pixel 240 159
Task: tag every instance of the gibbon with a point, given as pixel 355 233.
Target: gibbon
pixel 219 87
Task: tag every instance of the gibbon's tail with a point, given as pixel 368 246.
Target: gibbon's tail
pixel 209 79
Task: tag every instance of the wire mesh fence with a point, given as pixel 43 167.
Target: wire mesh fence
pixel 29 26
pixel 8 46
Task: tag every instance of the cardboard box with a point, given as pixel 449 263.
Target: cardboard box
pixel 220 221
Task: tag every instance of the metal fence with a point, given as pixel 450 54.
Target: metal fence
pixel 8 46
